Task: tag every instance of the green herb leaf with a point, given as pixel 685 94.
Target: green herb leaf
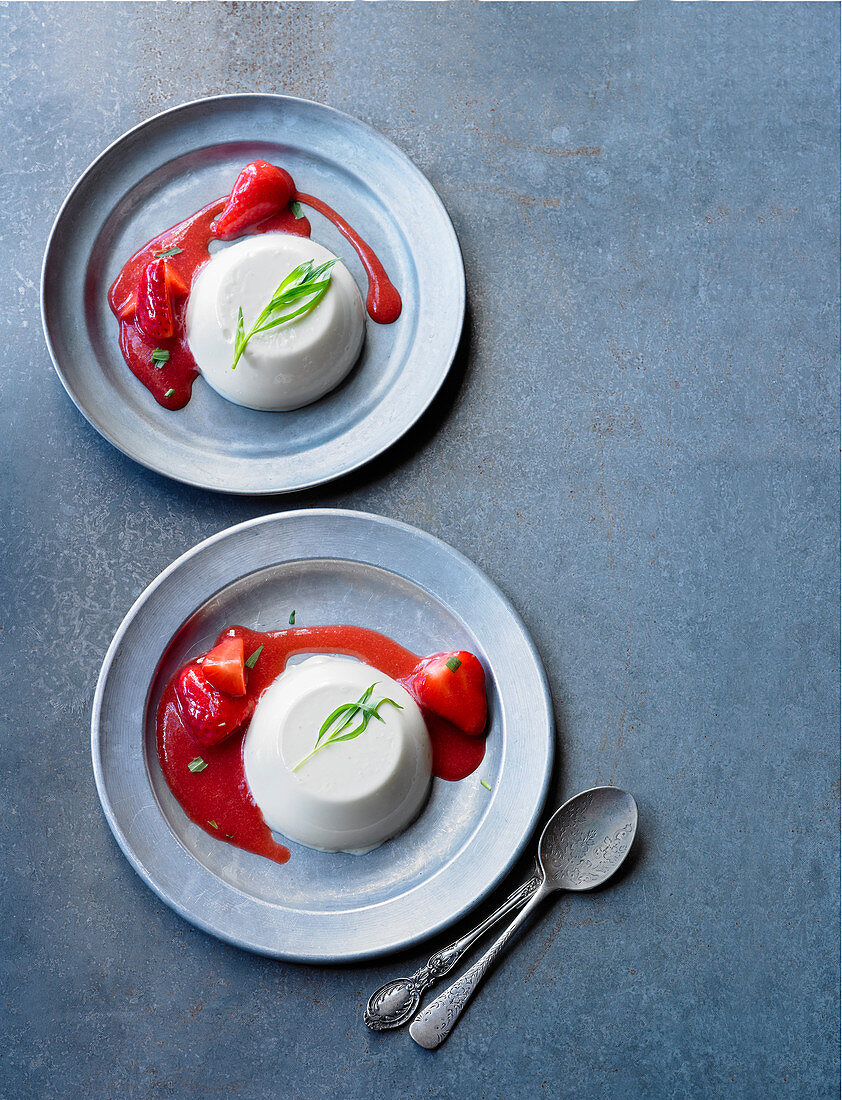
pixel 252 661
pixel 240 336
pixel 169 393
pixel 160 356
pixel 197 764
pixel 304 281
pixel 349 709
pixel 297 212
pixel 483 783
pixel 348 713
pixel 213 824
pixel 292 619
pixel 229 836
pixel 166 253
pixel 453 663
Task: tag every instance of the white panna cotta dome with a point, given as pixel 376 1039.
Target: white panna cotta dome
pixel 288 366
pixel 352 795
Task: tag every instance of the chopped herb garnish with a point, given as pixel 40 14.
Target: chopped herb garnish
pixel 167 252
pixel 169 393
pixel 252 661
pixel 297 212
pixel 159 357
pixel 214 824
pixel 229 836
pixel 304 281
pixel 292 619
pixel 345 715
pixel 483 783
pixel 221 723
pixel 197 764
pixel 453 663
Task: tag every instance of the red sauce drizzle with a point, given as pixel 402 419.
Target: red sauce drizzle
pixel 172 385
pixel 383 301
pixel 220 794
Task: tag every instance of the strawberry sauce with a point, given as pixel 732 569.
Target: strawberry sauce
pixel 171 382
pixel 383 302
pixel 217 798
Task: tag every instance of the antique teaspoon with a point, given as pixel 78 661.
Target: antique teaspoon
pixel 397 1001
pixel 582 845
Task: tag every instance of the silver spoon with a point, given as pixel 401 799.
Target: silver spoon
pixel 582 845
pixel 396 1002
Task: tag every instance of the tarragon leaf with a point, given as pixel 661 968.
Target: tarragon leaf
pixel 303 281
pixel 350 711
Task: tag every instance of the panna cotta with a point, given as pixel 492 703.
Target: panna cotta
pixel 292 364
pixel 350 795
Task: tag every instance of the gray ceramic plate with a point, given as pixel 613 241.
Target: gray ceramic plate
pixel 330 566
pixel 166 168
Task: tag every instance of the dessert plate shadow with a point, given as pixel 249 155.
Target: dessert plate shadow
pixel 167 167
pixel 330 566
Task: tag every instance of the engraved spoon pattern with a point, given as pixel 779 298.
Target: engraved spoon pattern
pixel 582 845
pixel 395 1002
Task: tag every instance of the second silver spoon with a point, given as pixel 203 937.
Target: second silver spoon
pixel 394 1003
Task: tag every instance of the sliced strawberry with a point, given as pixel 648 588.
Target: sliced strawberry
pixel 154 303
pixel 211 714
pixel 259 191
pixel 175 284
pixel 225 666
pixel 127 310
pixel 452 685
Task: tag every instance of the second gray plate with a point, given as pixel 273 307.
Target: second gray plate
pixel 169 166
pixel 330 566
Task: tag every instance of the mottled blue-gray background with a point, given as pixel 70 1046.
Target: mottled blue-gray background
pixel 639 446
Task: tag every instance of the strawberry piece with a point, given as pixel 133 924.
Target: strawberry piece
pixel 259 191
pixel 127 310
pixel 452 685
pixel 154 303
pixel 211 714
pixel 225 666
pixel 175 284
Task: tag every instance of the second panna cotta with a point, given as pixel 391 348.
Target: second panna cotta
pixel 289 365
pixel 335 787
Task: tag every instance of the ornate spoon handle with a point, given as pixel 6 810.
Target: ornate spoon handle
pixel 442 962
pixel 433 1025
pixel 387 1007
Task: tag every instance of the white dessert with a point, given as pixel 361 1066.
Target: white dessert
pixel 288 366
pixel 351 795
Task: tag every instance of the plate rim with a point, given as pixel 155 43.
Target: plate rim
pixel 402 942
pixel 306 483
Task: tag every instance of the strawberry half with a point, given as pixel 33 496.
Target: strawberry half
pixel 211 714
pixel 452 685
pixel 259 191
pixel 158 289
pixel 225 666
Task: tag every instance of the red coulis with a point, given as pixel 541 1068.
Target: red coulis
pixel 259 202
pixel 217 798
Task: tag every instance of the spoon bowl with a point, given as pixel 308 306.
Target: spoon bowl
pixel 587 838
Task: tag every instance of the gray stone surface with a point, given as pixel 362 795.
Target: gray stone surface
pixel 638 446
